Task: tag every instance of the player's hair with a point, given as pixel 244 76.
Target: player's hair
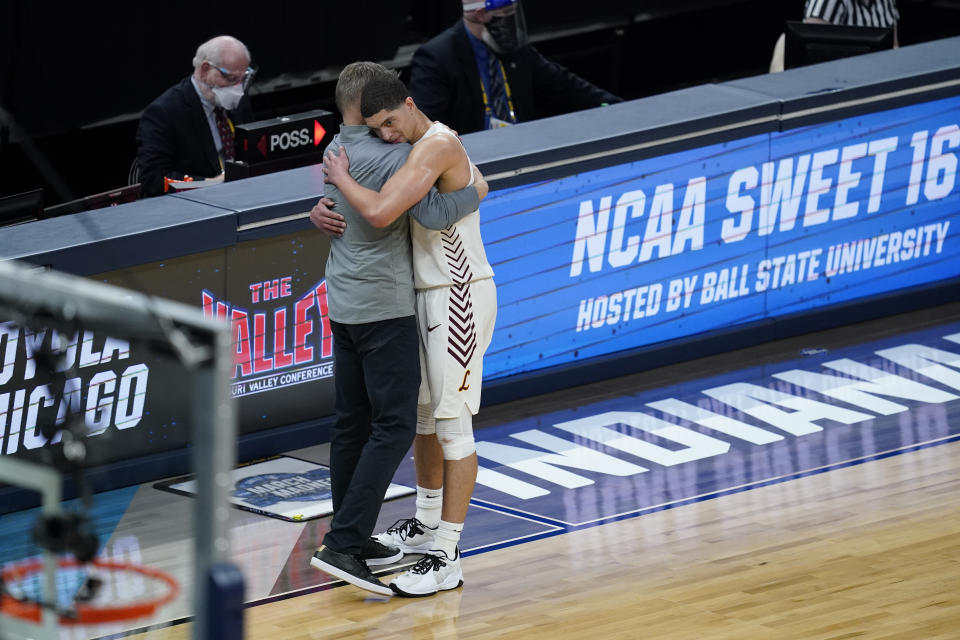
pixel 382 93
pixel 352 80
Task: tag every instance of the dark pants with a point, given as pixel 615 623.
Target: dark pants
pixel 377 379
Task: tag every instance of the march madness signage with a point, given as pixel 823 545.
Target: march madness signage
pixel 708 238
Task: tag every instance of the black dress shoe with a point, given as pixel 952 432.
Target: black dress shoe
pixel 349 568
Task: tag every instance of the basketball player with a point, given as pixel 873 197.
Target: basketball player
pixel 456 309
pixel 376 348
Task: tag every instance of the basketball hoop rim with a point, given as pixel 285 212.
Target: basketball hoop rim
pixel 88 614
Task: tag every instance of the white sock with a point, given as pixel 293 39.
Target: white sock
pixel 448 537
pixel 429 504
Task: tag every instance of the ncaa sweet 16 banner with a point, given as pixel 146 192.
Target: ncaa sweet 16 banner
pixel 716 236
pixel 586 265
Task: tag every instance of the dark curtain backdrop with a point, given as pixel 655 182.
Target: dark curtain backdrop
pixel 63 66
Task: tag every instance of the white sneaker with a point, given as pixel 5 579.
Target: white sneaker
pixel 410 536
pixel 434 572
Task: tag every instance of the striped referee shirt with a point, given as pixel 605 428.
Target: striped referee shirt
pixel 854 13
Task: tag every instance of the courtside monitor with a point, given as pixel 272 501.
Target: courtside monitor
pixel 21 207
pixel 811 43
pixel 128 193
pixel 281 143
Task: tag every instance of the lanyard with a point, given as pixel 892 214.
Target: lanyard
pixel 506 86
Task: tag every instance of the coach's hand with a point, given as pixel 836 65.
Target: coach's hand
pixel 329 222
pixel 479 183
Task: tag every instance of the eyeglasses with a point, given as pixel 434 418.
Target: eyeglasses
pixel 246 78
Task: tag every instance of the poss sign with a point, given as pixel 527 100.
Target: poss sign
pixel 285 136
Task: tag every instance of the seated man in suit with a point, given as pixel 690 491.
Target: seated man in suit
pixel 188 130
pixel 482 73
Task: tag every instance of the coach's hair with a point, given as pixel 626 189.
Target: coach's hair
pixel 352 80
pixel 380 93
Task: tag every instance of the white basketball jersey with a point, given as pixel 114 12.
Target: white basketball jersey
pixel 454 255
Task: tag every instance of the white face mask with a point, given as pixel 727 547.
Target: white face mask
pixel 227 97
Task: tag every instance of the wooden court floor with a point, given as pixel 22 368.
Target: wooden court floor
pixel 849 532
pixel 870 550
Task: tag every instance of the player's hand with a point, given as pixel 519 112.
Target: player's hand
pixel 336 166
pixel 323 218
pixel 479 183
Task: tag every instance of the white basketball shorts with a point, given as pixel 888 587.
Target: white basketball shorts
pixel 456 325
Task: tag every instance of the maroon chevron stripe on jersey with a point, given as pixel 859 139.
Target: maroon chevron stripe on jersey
pixel 462 332
pixel 457 261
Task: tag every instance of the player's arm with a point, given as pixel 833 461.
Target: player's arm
pixel 426 162
pixel 436 211
pixel 441 210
